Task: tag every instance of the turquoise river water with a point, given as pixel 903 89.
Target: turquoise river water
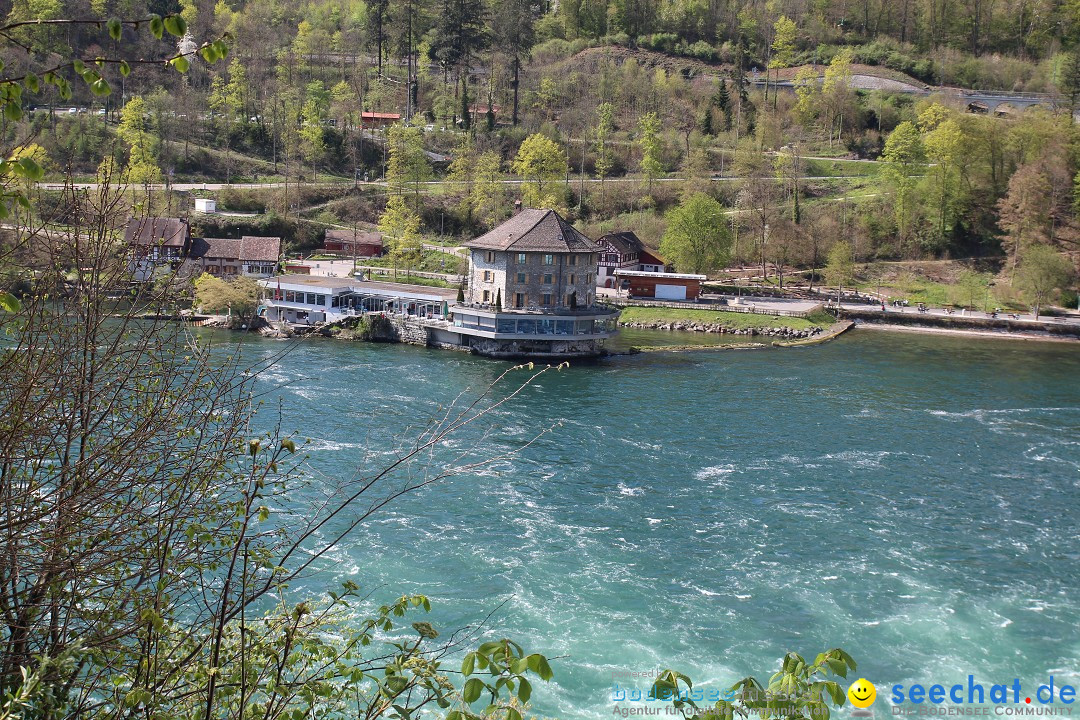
pixel 912 499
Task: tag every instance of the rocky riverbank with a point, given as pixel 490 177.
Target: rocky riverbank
pixel 786 333
pixel 366 328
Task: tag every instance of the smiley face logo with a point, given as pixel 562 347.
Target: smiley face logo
pixel 862 693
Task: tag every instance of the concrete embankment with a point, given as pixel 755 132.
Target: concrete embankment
pixel 834 331
pixel 997 327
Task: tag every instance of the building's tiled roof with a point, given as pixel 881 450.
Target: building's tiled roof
pixel 217 248
pixel 534 231
pixel 360 237
pixel 166 232
pixel 260 249
pixel 624 243
pixel 246 249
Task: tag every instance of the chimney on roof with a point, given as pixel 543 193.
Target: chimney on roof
pixel 517 206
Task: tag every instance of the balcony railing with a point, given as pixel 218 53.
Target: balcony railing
pixel 594 309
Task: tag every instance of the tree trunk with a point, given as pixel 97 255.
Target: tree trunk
pixel 516 85
pixel 764 272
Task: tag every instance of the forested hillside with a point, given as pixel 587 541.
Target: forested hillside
pixel 808 121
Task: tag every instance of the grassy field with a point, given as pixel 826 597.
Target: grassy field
pixel 413 280
pixel 840 168
pixel 430 261
pixel 938 284
pixel 733 320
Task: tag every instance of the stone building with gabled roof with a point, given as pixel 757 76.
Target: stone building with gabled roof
pixel 532 291
pixel 535 260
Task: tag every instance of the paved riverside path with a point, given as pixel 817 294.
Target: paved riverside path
pixel 710 302
pixel 913 311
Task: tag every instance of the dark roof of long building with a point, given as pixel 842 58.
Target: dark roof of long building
pixel 624 242
pixel 360 237
pixel 534 231
pixel 168 232
pixel 218 248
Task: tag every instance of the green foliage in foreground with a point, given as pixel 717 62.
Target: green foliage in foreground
pixel 798 691
pixel 733 320
pixel 215 295
pixel 182 540
pixel 16 85
pixel 496 668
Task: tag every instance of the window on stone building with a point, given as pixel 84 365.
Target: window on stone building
pixel 519 300
pixel 547 278
pixel 521 277
pixel 521 258
pixel 573 279
pixel 487 296
pixel 549 259
pixel 489 276
pixel 546 299
pixel 490 256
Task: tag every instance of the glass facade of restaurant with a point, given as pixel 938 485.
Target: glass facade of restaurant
pixel 536 325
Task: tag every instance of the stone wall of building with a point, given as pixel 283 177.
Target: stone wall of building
pixel 478 264
pixel 505 270
pixel 539 349
pixel 409 331
pixel 582 273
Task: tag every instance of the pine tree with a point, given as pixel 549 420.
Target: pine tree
pixel 378 15
pixel 466 115
pixel 722 100
pixel 512 24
